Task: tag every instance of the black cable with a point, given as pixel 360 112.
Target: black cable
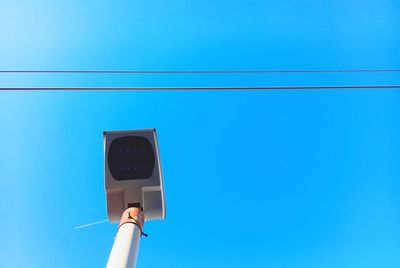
pixel 202 71
pixel 210 88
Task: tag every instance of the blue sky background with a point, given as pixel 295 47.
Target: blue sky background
pixel 252 179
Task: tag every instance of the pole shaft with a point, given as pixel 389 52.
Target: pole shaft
pixel 126 243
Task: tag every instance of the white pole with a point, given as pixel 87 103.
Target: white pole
pixel 126 244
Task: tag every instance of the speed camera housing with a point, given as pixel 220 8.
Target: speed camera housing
pixel 133 175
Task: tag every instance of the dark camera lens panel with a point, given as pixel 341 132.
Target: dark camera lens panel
pixel 131 158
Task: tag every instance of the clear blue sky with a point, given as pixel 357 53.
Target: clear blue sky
pixel 252 179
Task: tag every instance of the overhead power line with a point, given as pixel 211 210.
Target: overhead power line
pixel 210 88
pixel 201 71
pixel 205 72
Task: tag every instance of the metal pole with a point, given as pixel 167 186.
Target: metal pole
pixel 126 244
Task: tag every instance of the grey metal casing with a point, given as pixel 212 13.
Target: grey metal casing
pixel 148 192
